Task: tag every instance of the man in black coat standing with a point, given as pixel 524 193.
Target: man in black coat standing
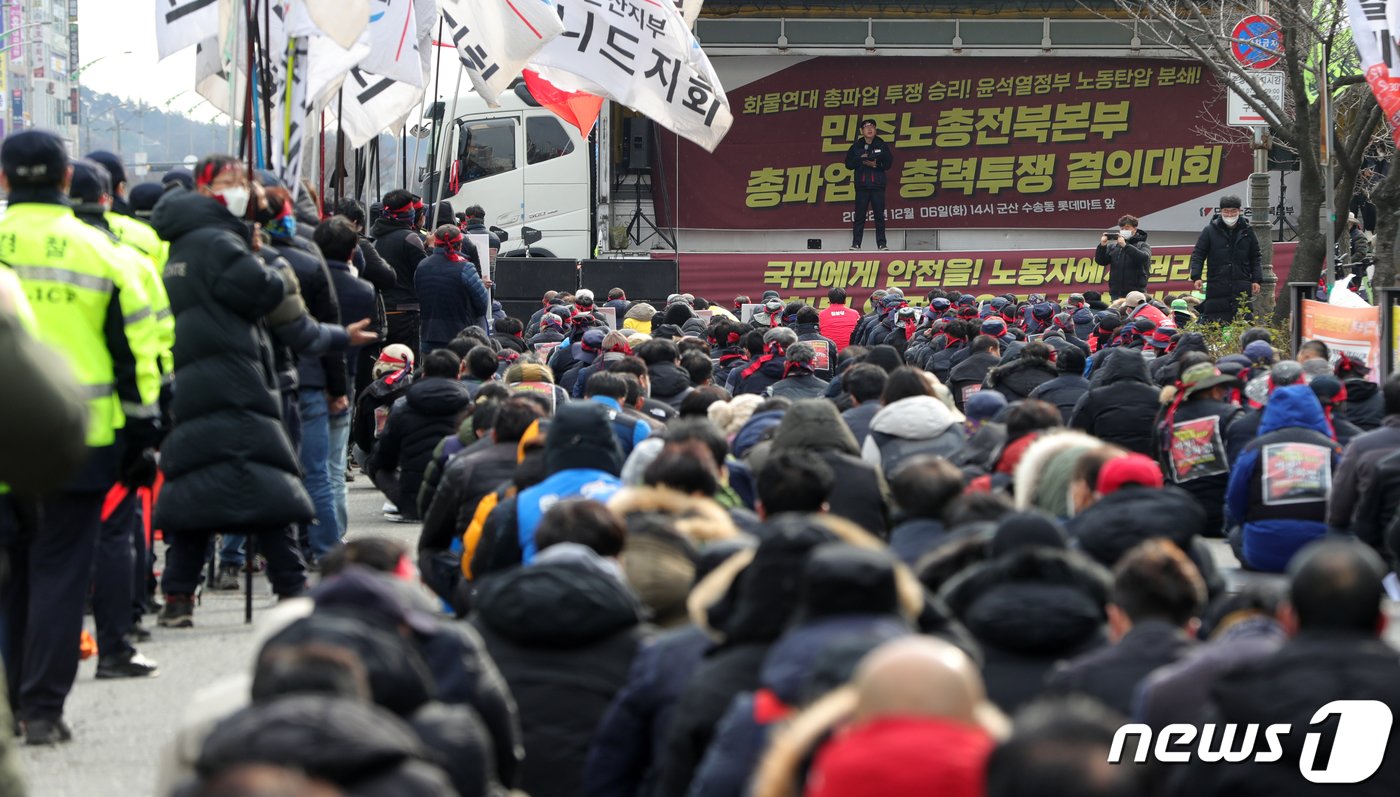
pixel 1127 256
pixel 869 157
pixel 398 242
pixel 1228 252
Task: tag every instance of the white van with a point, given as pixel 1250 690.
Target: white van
pixel 524 167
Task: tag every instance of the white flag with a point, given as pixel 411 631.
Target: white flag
pixel 496 38
pixel 290 112
pixel 330 64
pixel 1376 43
pixel 690 9
pixel 643 56
pixel 181 23
pixel 373 104
pixel 369 104
pixel 218 76
pixel 394 47
pixel 342 20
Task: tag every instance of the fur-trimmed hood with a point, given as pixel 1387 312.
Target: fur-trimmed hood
pixel 1034 601
pixel 754 592
pixel 1031 470
pixel 699 520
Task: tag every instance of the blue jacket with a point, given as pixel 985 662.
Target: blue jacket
pixel 451 296
pixel 531 504
pixel 1276 526
pixel 628 431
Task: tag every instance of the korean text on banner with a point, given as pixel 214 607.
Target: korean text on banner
pixel 1055 273
pixel 1346 330
pixel 181 23
pixel 996 142
pixel 643 56
pixel 1375 41
pixel 496 38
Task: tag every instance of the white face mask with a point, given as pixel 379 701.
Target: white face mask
pixel 1125 234
pixel 1230 221
pixel 235 199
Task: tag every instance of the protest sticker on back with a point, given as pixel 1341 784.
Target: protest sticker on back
pixel 1295 473
pixel 969 390
pixel 1197 451
pixel 822 359
pixel 545 389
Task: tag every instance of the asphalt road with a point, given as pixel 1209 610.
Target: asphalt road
pixel 121 726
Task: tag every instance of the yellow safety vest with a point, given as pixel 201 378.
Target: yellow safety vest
pixel 71 274
pixel 152 252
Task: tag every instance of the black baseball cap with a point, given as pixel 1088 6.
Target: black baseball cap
pixel 111 162
pixel 91 182
pixel 34 159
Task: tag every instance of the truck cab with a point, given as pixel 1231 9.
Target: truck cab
pixel 524 167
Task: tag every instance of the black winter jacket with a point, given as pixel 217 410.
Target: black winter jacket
pixel 1028 610
pixel 1229 260
pixel 326 371
pixel 1309 671
pixel 402 248
pixel 1064 391
pixel 626 752
pixel 1134 514
pixel 363 749
pixel 373 405
pixel 357 302
pixel 1112 674
pixel 1019 378
pixel 1365 404
pixel 967 377
pixel 876 150
pixel 428 412
pixel 669 383
pixel 563 633
pixel 467 479
pixel 228 461
pixel 1123 409
pixel 752 613
pixel 1128 264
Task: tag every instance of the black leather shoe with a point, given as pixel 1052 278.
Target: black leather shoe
pixel 130 665
pixel 46 732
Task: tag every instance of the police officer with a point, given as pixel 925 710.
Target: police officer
pixel 88 304
pixel 122 543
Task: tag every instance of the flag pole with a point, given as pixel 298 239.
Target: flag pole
pixel 451 122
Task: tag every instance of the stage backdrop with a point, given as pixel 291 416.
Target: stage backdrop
pixel 1055 273
pixel 977 142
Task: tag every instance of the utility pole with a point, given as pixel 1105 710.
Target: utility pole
pixel 1259 211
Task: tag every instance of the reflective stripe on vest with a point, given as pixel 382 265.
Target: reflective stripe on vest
pixel 71 273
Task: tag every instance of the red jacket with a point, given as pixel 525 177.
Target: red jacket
pixel 905 756
pixel 838 321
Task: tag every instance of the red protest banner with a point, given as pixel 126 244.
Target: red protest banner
pixel 977 142
pixel 1055 273
pixel 1354 331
